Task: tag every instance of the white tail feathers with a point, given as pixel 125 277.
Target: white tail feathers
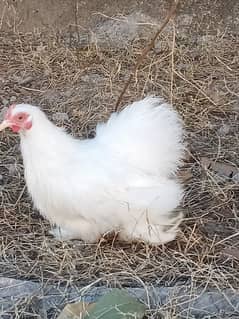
pixel 147 134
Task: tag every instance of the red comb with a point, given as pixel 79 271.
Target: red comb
pixel 9 111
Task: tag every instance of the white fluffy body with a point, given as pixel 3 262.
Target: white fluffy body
pixel 122 180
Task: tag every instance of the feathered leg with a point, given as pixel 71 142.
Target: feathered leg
pixel 154 234
pixel 81 229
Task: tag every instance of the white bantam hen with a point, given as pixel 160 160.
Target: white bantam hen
pixel 122 180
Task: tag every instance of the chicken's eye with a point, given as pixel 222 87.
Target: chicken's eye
pixel 20 117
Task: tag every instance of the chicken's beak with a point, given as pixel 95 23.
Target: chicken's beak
pixel 4 125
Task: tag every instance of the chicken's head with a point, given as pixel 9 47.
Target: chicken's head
pixel 17 118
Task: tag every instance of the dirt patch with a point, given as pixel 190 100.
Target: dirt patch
pixel 78 87
pixel 30 15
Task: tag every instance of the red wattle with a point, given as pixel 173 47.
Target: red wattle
pixel 15 128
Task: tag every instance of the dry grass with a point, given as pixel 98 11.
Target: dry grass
pixel 85 84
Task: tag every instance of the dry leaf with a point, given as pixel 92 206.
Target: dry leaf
pixel 233 252
pixel 76 310
pixel 117 304
pixel 185 174
pixel 219 168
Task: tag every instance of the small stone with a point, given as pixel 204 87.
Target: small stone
pixel 224 130
pixel 68 93
pixel 1 180
pixel 186 19
pixel 92 78
pixel 235 178
pixel 157 47
pixel 3 112
pixel 60 117
pixel 5 101
pixel 13 99
pixel 26 80
pixel 12 169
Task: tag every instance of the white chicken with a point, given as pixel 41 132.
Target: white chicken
pixel 122 180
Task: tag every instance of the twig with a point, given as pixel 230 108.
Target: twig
pixel 20 195
pixel 225 239
pixel 77 29
pixel 123 19
pixel 172 65
pixel 170 15
pixel 2 17
pixel 195 86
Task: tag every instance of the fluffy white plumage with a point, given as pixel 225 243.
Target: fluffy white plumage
pixel 122 180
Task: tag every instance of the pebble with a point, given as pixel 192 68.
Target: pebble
pixel 3 112
pixel 13 99
pixel 235 178
pixel 224 130
pixel 60 117
pixel 12 169
pixel 5 101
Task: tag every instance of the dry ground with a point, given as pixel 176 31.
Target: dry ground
pixel 200 76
